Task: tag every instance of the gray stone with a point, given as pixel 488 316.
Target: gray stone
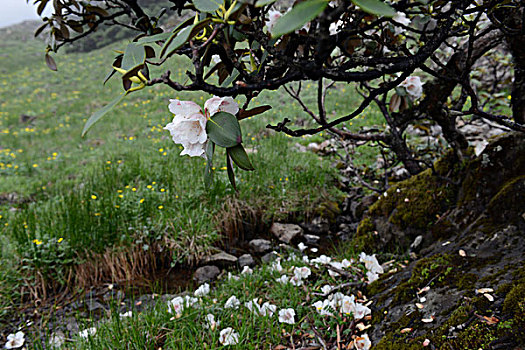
pixel 221 258
pixel 206 273
pixel 312 239
pixel 246 260
pixel 268 257
pixel 260 245
pixel 286 232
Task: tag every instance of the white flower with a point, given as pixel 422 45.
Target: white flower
pixel 362 342
pixel 302 272
pixel 87 332
pixel 301 246
pixel 228 336
pixel 57 339
pixel 323 259
pixel 126 314
pixel 273 16
pixel 252 305
pixel 210 322
pixel 348 304
pixel 326 289
pixel 232 277
pixel 216 59
pixel 305 259
pixel 232 302
pixel 401 18
pixel 188 126
pixel 276 265
pixel 336 265
pixel 189 301
pixel 336 299
pixel 267 309
pixel 220 104
pixel 246 271
pixel 287 316
pixel 202 290
pixel 177 304
pixel 323 307
pixel 413 86
pixel 15 340
pixel 346 263
pixel 371 263
pixel 372 276
pixel 360 311
pixel 296 281
pixel 283 279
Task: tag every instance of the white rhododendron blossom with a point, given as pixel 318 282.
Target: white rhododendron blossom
pixel 287 316
pixel 323 260
pixel 267 309
pixel 362 342
pixel 283 279
pixel 202 290
pixel 348 305
pixel 273 16
pixel 361 311
pixel 372 276
pixel 302 272
pixel 188 126
pixel 15 341
pixel 228 336
pixel 246 271
pixel 400 17
pixel 232 303
pixel 326 289
pixel 210 322
pixel 176 305
pixel 371 263
pixel 335 27
pixel 323 307
pixel 413 87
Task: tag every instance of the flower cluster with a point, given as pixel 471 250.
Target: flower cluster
pixel 188 126
pixel 413 87
pixel 372 266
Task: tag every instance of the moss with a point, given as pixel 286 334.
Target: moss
pixel 466 281
pixel 514 298
pixel 365 237
pixel 476 336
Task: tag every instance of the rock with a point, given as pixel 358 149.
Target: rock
pixel 246 260
pixel 268 257
pixel 260 245
pixel 311 239
pixel 286 232
pixel 206 273
pixel 221 259
pixel 314 147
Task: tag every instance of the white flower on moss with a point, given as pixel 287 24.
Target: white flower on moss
pixel 296 281
pixel 188 126
pixel 413 87
pixel 232 303
pixel 232 277
pixel 371 263
pixel 15 341
pixel 88 332
pixel 287 316
pixel 323 260
pixel 362 342
pixel 203 290
pixel 228 336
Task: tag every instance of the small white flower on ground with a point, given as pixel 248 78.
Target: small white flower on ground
pixel 228 336
pixel 232 277
pixel 246 271
pixel 346 263
pixel 210 322
pixel 216 58
pixel 283 279
pixel 15 341
pixel 301 246
pixel 276 266
pixel 267 309
pixel 323 307
pixel 362 342
pixel 296 281
pixel 335 27
pixel 371 263
pixel 326 289
pixel 176 305
pixel 336 299
pixel 372 276
pixel 314 250
pixel 190 301
pixel 306 259
pixel 413 86
pixel 348 305
pixel 88 332
pixel 126 314
pixel 323 259
pixel 361 311
pixel 57 339
pixel 287 316
pixel 202 290
pixel 252 305
pixel 336 265
pixel 273 16
pixel 302 272
pixel 232 302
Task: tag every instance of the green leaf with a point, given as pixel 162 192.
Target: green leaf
pixel 231 175
pixel 262 3
pixel 100 113
pixel 375 7
pixel 180 38
pixel 154 38
pixel 208 6
pixel 240 157
pixel 298 16
pixel 224 130
pixel 134 56
pixel 208 174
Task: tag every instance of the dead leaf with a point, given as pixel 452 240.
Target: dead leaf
pixel 423 290
pixel 426 342
pixel 462 253
pixel 490 320
pixel 484 290
pixel 428 320
pixel 406 330
pixel 488 296
pixel 420 306
pixel 280 347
